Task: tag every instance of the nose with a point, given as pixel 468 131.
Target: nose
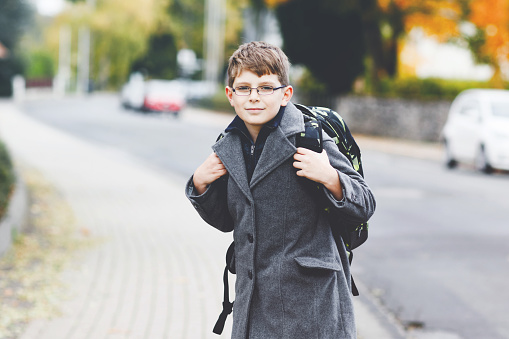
pixel 254 96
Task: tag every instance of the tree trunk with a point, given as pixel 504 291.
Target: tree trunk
pixel 373 39
pixel 497 80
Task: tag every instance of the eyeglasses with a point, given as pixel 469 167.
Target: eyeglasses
pixel 262 90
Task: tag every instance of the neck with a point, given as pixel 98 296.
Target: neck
pixel 254 131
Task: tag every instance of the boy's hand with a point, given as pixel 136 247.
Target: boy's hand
pixel 208 172
pixel 316 167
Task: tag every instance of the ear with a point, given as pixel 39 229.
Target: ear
pixel 229 94
pixel 287 95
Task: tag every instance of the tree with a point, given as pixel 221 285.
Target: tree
pixel 377 25
pixel 386 22
pixel 160 60
pixel 491 41
pixel 327 37
pixel 185 31
pixel 14 18
pixel 120 34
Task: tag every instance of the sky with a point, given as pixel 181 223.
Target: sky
pixel 49 7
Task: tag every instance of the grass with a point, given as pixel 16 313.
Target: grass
pixel 7 179
pixel 31 286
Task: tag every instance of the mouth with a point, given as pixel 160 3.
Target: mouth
pixel 254 109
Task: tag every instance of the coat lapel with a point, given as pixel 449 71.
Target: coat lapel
pixel 229 150
pixel 278 148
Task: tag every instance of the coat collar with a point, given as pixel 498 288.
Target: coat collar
pixel 277 149
pixel 293 120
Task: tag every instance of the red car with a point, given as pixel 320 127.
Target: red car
pixel 163 96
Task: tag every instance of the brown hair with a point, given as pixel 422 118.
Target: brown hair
pixel 261 58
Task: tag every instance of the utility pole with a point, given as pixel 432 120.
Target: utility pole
pixel 63 78
pixel 82 82
pixel 84 49
pixel 215 14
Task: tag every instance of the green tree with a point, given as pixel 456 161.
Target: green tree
pixel 14 17
pixel 160 60
pixel 120 31
pixel 183 28
pixel 40 64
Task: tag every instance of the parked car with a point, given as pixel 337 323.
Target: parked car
pixel 477 130
pixel 153 95
pixel 163 96
pixel 132 94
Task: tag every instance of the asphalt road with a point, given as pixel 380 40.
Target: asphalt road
pixel 438 252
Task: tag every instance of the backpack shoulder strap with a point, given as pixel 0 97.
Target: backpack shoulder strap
pixel 221 136
pixel 312 137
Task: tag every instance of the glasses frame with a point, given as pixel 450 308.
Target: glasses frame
pixel 257 90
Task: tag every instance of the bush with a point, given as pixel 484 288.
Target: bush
pixel 40 65
pixel 426 89
pixel 217 102
pixel 6 179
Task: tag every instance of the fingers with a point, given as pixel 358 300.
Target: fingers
pixel 302 150
pixel 305 151
pixel 217 165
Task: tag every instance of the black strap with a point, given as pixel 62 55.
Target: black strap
pixel 355 291
pixel 227 305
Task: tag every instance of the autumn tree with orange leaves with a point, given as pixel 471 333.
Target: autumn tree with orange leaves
pixel 491 42
pixel 386 22
pixel 437 18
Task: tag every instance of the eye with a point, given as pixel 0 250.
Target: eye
pixel 266 88
pixel 243 88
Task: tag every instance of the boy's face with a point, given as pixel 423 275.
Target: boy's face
pixel 255 109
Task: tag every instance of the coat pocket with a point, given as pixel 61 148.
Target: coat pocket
pixel 310 262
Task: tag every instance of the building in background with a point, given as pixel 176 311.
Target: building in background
pixel 425 57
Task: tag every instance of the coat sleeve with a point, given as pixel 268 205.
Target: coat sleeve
pixel 358 203
pixel 212 204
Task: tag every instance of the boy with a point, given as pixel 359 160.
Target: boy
pixel 292 282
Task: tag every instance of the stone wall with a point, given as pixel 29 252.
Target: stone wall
pixel 16 218
pixel 395 118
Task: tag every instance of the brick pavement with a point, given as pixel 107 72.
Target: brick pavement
pixel 157 271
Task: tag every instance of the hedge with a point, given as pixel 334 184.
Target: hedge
pixel 6 179
pixel 426 89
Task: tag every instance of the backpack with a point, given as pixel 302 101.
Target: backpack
pixel 316 120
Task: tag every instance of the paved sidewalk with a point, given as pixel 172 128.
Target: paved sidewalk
pixel 158 272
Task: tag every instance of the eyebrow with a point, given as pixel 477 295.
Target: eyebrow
pixel 265 83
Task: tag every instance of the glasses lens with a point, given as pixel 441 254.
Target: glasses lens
pixel 265 90
pixel 243 90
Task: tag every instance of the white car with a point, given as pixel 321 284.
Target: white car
pixel 132 94
pixel 477 130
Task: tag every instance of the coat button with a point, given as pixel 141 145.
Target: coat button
pixel 250 238
pixel 250 274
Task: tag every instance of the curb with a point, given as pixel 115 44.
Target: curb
pixel 16 218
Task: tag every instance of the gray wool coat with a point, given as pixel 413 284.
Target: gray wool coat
pixel 292 282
